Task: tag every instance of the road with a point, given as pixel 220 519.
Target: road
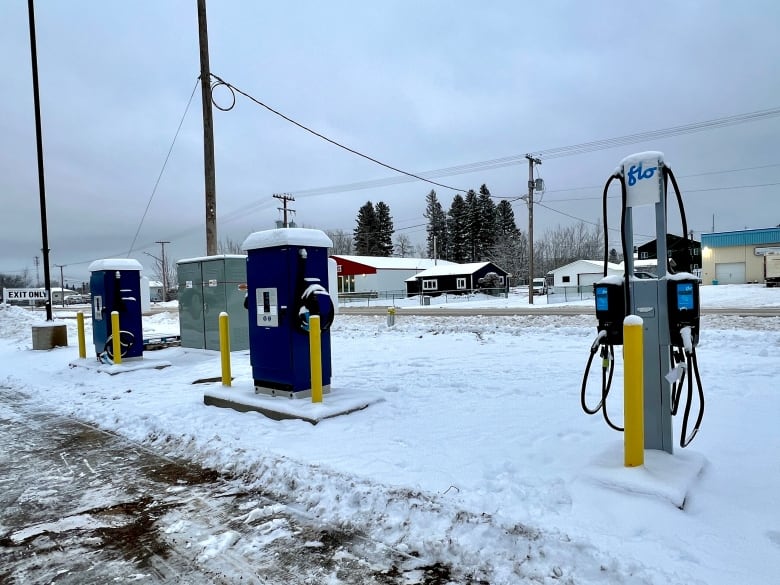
pixel 81 506
pixel 561 310
pixel 454 311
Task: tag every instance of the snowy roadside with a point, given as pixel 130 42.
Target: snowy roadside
pixel 475 458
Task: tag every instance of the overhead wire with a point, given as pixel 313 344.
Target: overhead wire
pixel 162 170
pixel 233 88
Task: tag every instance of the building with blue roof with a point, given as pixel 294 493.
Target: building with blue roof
pixel 737 257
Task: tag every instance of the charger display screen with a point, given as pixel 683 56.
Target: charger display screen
pixel 602 301
pixel 685 296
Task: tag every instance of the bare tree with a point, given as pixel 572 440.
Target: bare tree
pixel 165 273
pixel 563 245
pixel 403 245
pixel 342 242
pixel 230 246
pixel 419 251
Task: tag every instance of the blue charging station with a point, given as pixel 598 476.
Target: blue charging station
pixel 116 286
pixel 287 281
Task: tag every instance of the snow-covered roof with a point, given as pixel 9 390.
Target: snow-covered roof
pixel 115 264
pixel 596 264
pixel 645 263
pixel 287 237
pixel 384 263
pixel 449 269
pixel 207 258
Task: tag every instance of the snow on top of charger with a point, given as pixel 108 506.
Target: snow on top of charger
pixel 642 156
pixel 287 237
pixel 115 264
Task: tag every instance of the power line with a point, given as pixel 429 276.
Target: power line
pixel 330 140
pixel 162 170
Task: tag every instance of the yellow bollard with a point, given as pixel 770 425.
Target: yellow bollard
pixel 633 391
pixel 224 347
pixel 115 334
pixel 82 342
pixel 315 358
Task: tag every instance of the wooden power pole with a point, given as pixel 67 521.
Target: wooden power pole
pixel 208 133
pixel 285 197
pixel 531 188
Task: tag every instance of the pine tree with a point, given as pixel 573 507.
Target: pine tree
pixel 365 231
pixel 437 235
pixel 506 228
pixel 511 249
pixel 486 226
pixel 383 239
pixel 458 233
pixel 472 225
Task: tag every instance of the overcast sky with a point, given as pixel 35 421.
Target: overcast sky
pixel 420 85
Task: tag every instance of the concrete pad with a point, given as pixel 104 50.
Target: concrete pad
pixel 244 399
pixel 664 476
pixel 127 365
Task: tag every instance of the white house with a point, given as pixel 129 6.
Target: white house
pixel 582 273
pixel 373 274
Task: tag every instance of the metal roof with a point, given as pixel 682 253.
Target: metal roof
pixel 391 263
pixel 741 238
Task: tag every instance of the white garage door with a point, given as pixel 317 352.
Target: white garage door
pixel 730 273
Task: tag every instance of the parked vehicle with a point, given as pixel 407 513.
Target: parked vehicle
pixel 540 286
pixel 772 269
pixel 76 299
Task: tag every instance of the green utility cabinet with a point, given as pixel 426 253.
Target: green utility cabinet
pixel 207 287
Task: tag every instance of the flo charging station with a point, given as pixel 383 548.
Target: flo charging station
pixel 668 306
pixel 116 286
pixel 287 280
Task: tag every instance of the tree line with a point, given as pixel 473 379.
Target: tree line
pixel 473 229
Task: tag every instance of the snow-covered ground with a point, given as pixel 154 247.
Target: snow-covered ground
pixel 478 455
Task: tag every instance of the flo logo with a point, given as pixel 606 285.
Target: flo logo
pixel 635 173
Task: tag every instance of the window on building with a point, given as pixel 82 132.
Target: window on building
pixel 643 255
pixel 501 280
pixel 432 284
pixel 694 251
pixel 460 283
pixel 565 279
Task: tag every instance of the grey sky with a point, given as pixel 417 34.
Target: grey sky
pixel 419 85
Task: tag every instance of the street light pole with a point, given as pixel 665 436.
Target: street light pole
pixel 62 283
pixel 164 269
pixel 39 145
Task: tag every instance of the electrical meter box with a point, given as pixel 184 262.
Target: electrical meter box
pixel 287 278
pixel 209 286
pixel 116 286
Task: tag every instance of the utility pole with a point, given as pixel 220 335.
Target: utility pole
pixel 39 144
pixel 285 197
pixel 208 133
pixel 62 283
pixel 531 187
pixel 164 268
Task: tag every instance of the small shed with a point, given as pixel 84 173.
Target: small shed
pixel 456 278
pixel 582 273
